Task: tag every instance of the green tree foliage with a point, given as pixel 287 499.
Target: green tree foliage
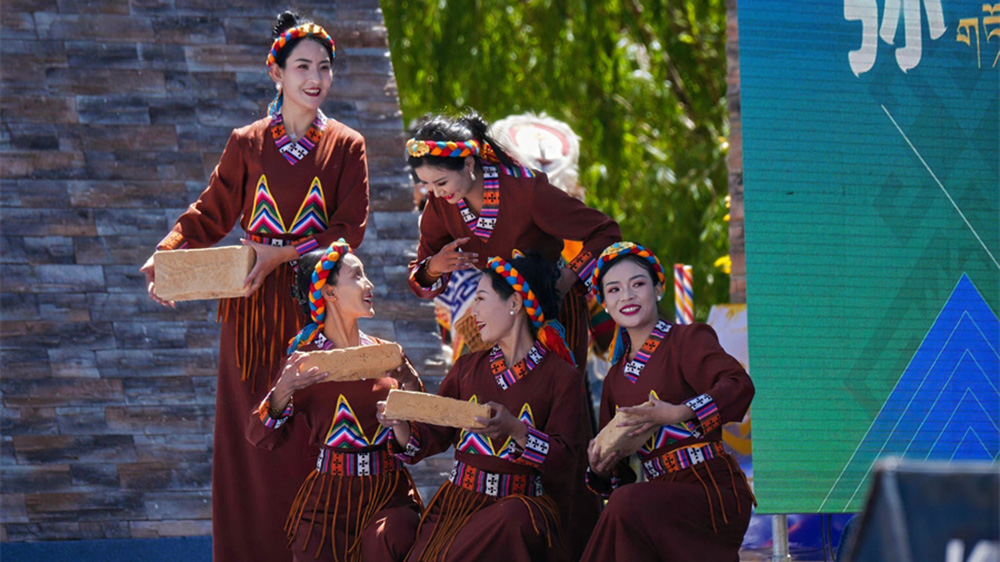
pixel 641 81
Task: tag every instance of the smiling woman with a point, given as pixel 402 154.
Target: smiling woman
pixel 273 179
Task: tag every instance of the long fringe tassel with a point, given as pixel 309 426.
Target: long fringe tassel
pixel 373 494
pixel 708 497
pixel 259 336
pixel 458 507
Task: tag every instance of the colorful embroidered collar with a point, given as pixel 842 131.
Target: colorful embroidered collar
pixel 482 226
pixel 294 152
pixel 506 377
pixel 634 367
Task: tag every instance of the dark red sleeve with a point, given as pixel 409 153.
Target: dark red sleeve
pixel 562 434
pixel 724 387
pixel 350 216
pixel 567 218
pixel 434 235
pixel 218 208
pixel 267 432
pixel 622 473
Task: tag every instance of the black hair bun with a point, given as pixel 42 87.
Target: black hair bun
pixel 286 20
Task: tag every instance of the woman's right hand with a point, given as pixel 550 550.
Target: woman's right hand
pixel 400 428
pixel 293 378
pixel 599 464
pixel 148 270
pixel 451 258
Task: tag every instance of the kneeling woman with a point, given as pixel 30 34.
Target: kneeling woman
pixel 360 502
pixel 696 503
pixel 495 505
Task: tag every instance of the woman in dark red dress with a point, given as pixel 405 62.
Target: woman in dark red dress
pixel 359 504
pixel 294 181
pixel 506 497
pixel 696 503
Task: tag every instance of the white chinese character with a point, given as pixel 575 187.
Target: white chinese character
pixel 907 56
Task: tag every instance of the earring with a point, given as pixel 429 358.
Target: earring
pixel 472 175
pixel 512 313
pixel 659 298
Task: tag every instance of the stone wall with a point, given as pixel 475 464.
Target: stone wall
pixel 114 113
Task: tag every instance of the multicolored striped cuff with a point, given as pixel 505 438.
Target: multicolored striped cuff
pixel 707 412
pixel 305 245
pixel 600 485
pixel 264 413
pixel 583 264
pixel 173 241
pixel 535 449
pixel 434 288
pixel 409 452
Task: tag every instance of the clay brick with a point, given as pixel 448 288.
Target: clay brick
pixel 113 109
pixel 32 479
pixel 61 391
pixel 186 30
pixel 33 136
pixel 171 528
pixel 224 57
pixel 49 449
pixel 35 109
pixel 29 421
pixel 79 363
pixel 179 447
pixel 30 193
pixel 99 27
pixel 94 475
pixel 81 420
pixel 68 307
pixel 49 250
pixel 159 419
pixel 99 55
pixel 42 165
pixel 84 506
pixel 104 81
pixel 175 505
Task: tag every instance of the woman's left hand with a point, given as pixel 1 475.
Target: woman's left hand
pixel 268 258
pixel 405 374
pixel 501 424
pixel 653 414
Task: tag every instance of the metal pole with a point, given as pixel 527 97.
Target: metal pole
pixel 779 534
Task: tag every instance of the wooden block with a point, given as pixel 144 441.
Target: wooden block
pixel 212 273
pixel 355 363
pixel 434 409
pixel 614 439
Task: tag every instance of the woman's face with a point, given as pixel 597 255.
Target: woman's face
pixel 491 312
pixel 449 185
pixel 354 292
pixel 630 294
pixel 305 80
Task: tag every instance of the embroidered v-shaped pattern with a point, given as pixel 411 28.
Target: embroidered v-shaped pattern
pixel 506 377
pixel 634 367
pixel 294 152
pixel 482 226
pixel 266 218
pixel 479 444
pixel 345 430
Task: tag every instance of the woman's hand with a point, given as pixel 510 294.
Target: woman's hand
pixel 150 273
pixel 268 258
pixel 405 374
pixel 567 278
pixel 451 258
pixel 501 424
pixel 653 414
pixel 293 378
pixel 400 428
pixel 599 464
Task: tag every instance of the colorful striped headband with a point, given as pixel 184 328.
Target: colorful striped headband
pixel 317 306
pixel 451 149
pixel 304 30
pixel 619 249
pixel 504 269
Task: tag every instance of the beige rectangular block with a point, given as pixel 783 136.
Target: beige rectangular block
pixel 355 363
pixel 211 273
pixel 434 409
pixel 616 439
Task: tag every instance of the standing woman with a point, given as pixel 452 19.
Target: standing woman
pixel 296 181
pixel 506 496
pixel 695 504
pixel 482 203
pixel 359 504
